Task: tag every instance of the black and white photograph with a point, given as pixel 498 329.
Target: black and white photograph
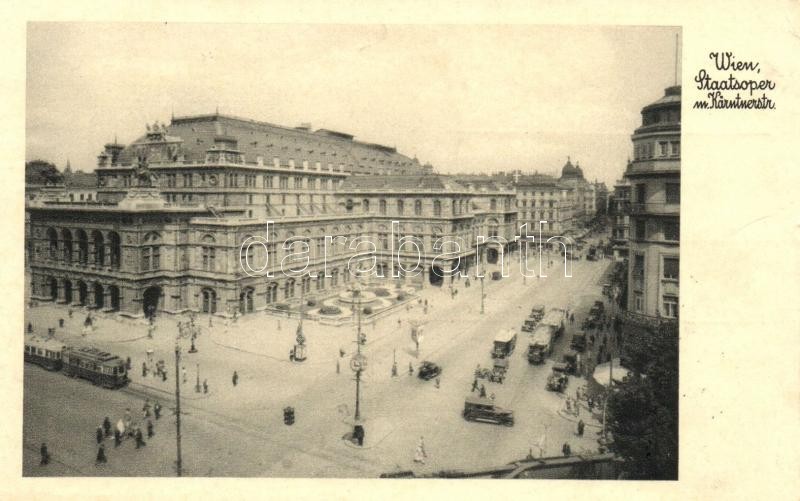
pixel 401 251
pixel 352 251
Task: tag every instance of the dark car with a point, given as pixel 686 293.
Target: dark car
pixel 578 342
pixel 557 381
pixel 428 371
pixel 483 409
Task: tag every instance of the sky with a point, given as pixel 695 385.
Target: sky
pixel 466 98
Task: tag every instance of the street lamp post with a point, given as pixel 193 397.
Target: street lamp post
pixel 357 294
pixel 178 406
pixel 482 295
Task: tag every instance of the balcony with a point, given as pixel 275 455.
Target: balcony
pixel 656 208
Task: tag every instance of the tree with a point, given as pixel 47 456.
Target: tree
pixel 41 172
pixel 643 411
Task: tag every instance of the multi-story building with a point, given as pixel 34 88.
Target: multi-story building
pixel 544 198
pixel 654 177
pixel 174 207
pixel 619 212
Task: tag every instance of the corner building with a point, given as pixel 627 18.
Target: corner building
pixel 654 241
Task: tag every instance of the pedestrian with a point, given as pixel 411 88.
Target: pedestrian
pixel 492 397
pixel 150 431
pixel 474 385
pixel 566 449
pixel 437 382
pixel 572 318
pixel 580 427
pixel 183 371
pixel 69 312
pixel 235 378
pixel 128 363
pixel 163 374
pixel 30 328
pixel 483 391
pixel 99 434
pixel 157 410
pixel 420 455
pixel 139 438
pixel 146 408
pixel 45 455
pixel 341 353
pixel 117 437
pixel 291 355
pixel 107 427
pixel 410 369
pixel 144 369
pixel 101 455
pixel 590 403
pixel 338 370
pixel 205 386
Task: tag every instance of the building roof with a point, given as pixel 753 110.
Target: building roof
pixel 81 180
pixel 392 183
pixel 571 171
pixel 194 135
pixel 672 96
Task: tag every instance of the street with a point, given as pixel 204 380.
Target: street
pixel 239 431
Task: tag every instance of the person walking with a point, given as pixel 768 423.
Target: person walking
pixel 410 369
pixel 483 391
pixel 157 410
pixel 235 378
pixel 128 363
pixel 45 455
pixel 205 386
pixel 117 437
pixel 419 454
pixel 107 427
pixel 144 369
pixel 139 438
pixel 99 434
pixel 101 455
pixel 150 431
pixel 581 426
pixel 566 449
pixel 437 382
pixel 474 385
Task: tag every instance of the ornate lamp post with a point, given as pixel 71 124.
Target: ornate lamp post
pixel 300 347
pixel 357 364
pixel 178 406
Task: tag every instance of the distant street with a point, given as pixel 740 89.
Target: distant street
pixel 239 431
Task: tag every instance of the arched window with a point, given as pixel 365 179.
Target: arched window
pixel 288 289
pixel 437 207
pixel 115 249
pixel 209 253
pixel 209 300
pixel 382 205
pixel 272 292
pixel 365 205
pixel 99 248
pixel 151 252
pixel 66 235
pixel 83 247
pixel 52 240
pixel 418 207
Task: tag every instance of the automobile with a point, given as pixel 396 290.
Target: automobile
pixel 528 325
pixel 599 305
pixel 537 312
pixel 428 371
pixel 496 275
pixel 578 342
pixel 557 381
pixel 499 370
pixel 484 410
pixel 571 361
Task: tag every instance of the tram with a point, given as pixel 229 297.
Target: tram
pixel 44 352
pixel 99 367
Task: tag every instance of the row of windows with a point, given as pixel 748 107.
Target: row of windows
pixel 669 230
pixel 672 193
pixel 661 149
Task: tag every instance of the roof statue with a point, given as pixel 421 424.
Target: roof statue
pixel 144 178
